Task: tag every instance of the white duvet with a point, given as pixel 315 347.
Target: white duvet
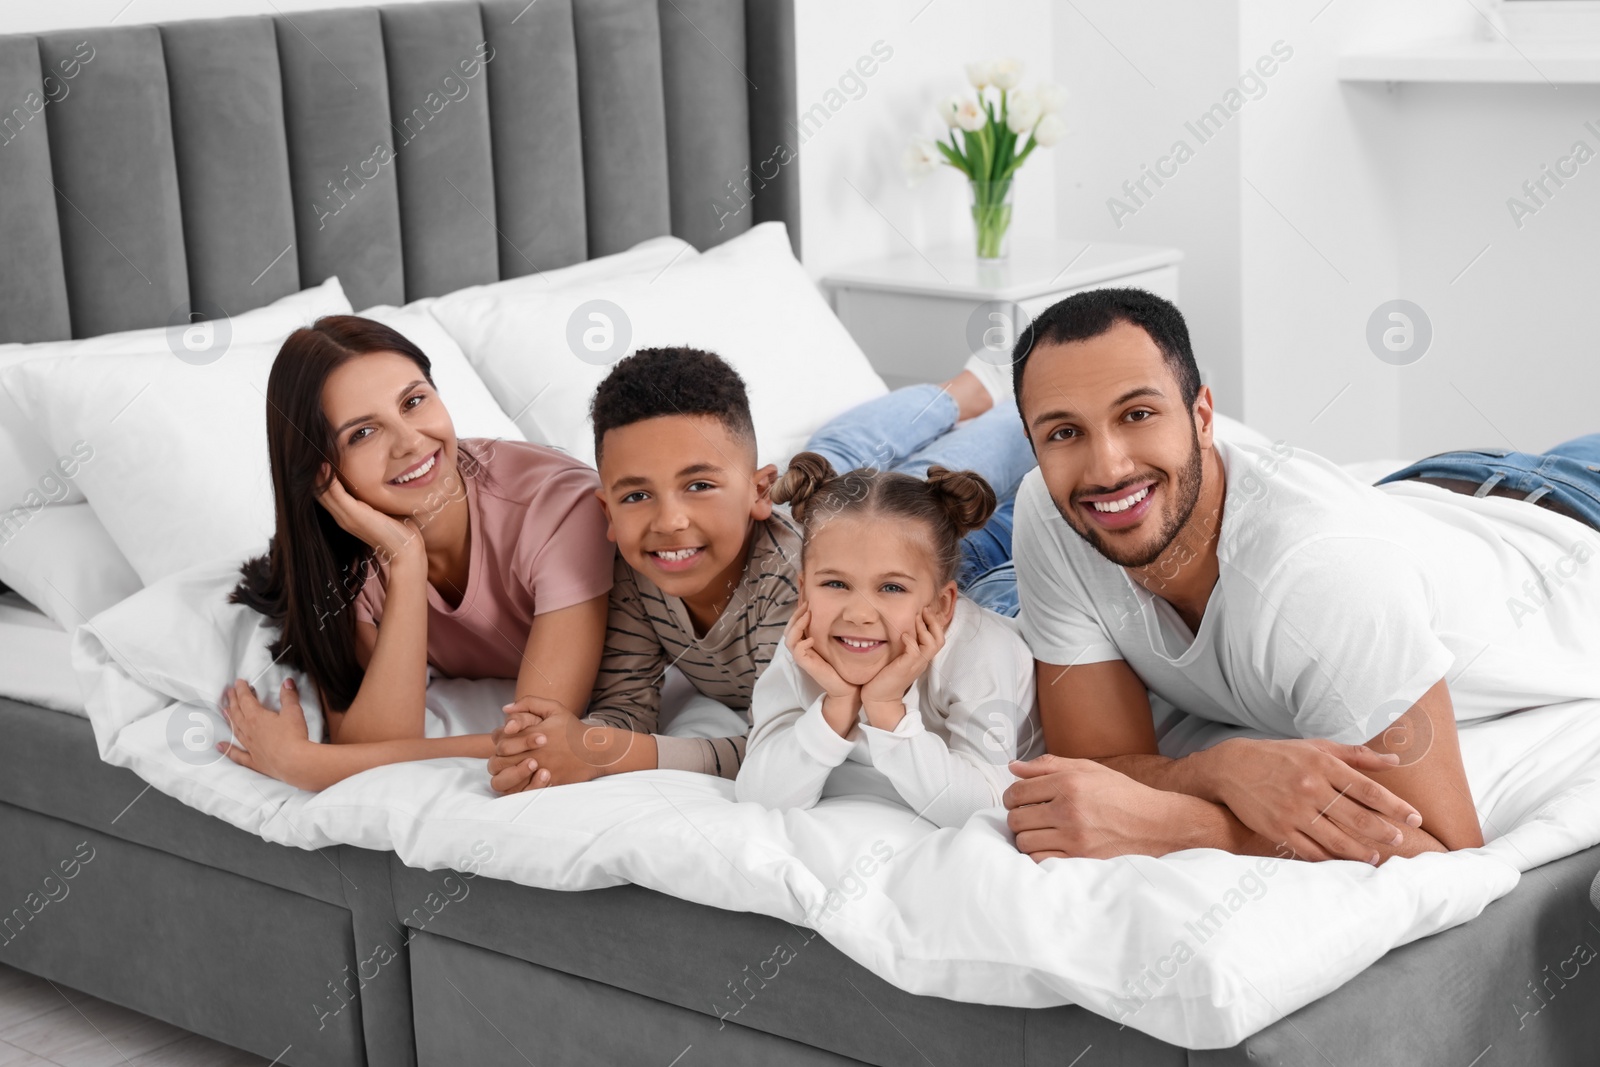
pixel 1198 948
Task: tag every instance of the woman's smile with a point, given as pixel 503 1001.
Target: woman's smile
pixel 418 474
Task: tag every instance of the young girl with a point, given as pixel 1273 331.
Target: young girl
pixel 398 546
pixel 888 681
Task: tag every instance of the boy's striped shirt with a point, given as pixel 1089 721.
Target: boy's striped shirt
pixel 647 631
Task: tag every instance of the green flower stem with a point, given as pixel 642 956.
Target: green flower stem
pixel 991 216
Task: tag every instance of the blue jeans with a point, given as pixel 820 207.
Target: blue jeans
pixel 1568 474
pixel 912 429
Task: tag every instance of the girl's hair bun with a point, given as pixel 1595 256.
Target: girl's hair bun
pixel 808 472
pixel 965 496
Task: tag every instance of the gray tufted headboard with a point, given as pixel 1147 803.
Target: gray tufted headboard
pixel 215 166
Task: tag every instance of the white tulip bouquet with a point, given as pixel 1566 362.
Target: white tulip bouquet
pixel 990 126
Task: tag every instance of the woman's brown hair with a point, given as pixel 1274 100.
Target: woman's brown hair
pixel 947 504
pixel 307 581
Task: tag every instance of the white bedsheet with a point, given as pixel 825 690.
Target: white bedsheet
pixel 1193 948
pixel 36 658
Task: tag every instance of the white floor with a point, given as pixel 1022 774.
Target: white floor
pixel 44 1024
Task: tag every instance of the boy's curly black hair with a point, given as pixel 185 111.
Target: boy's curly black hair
pixel 671 381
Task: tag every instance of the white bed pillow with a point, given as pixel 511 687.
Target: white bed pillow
pixel 472 408
pixel 747 300
pixel 179 473
pixel 29 475
pixel 503 376
pixel 62 560
pixel 54 550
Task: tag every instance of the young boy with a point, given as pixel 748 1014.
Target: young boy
pixel 707 568
pixel 705 574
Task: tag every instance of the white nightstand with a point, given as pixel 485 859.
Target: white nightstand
pixel 919 317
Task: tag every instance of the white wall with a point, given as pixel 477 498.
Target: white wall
pixel 1321 234
pixel 1138 72
pixel 1400 187
pixel 1516 362
pixel 855 200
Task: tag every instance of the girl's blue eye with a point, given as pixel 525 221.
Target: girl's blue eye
pixel 892 587
pixel 832 583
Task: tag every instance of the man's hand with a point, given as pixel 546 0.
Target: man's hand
pixel 1310 795
pixel 1076 807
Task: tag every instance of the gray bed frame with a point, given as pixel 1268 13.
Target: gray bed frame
pixel 148 173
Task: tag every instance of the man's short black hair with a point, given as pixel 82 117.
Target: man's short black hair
pixel 671 381
pixel 1085 315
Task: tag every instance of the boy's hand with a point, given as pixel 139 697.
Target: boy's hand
pixel 565 749
pixel 268 741
pixel 884 696
pixel 841 701
pixel 510 769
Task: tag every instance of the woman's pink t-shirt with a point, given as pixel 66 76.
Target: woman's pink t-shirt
pixel 538 544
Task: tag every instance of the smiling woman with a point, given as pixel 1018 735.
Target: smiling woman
pixel 397 547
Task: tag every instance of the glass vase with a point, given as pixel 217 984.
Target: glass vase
pixel 991 219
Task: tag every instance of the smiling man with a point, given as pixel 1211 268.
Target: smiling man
pixel 1351 625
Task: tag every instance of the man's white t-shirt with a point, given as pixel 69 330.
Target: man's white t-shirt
pixel 1338 604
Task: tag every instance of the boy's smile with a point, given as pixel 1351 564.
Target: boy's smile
pixel 677 559
pixel 680 493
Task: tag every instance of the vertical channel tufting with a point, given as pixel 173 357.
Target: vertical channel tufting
pixel 116 180
pixel 233 162
pixel 620 96
pixel 341 152
pixel 439 112
pixel 708 119
pixel 774 150
pixel 33 285
pixel 538 141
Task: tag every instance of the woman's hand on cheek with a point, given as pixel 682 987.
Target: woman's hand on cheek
pixel 884 696
pixel 392 538
pixel 272 742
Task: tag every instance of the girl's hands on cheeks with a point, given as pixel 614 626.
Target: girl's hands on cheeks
pixel 272 742
pixel 842 701
pixel 884 696
pixel 388 535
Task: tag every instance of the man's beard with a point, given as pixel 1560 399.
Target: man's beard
pixel 1186 497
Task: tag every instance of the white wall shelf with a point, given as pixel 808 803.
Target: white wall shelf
pixel 1484 61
